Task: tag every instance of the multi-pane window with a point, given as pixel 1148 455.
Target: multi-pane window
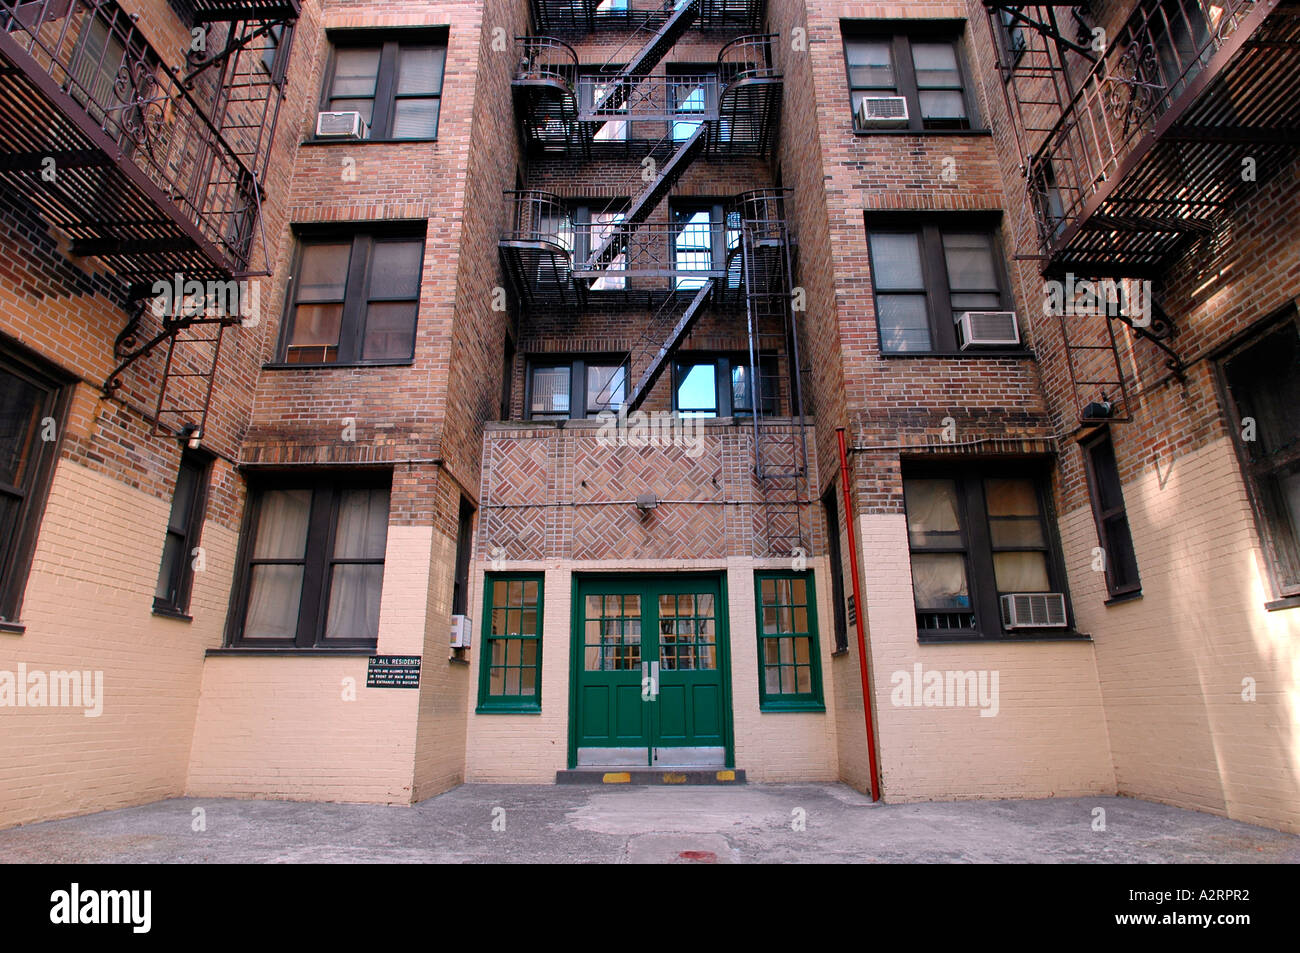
pixel 1111 517
pixel 723 386
pixel 975 534
pixel 184 527
pixel 396 86
pixel 925 71
pixel 691 91
pixel 313 566
pixel 1263 384
pixel 596 91
pixel 926 277
pixel 29 427
pixel 510 678
pixel 688 633
pixel 592 228
pixel 574 389
pixel 354 300
pixel 789 663
pixel 705 243
pixel 1012 33
pixel 611 640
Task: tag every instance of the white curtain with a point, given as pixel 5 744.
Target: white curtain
pixel 276 590
pixel 939 581
pixel 355 588
pixel 931 511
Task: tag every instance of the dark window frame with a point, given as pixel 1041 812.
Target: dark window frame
pixel 364 237
pixel 1281 555
pixel 190 532
pixel 317 561
pixel 1108 519
pixel 464 546
pixel 17 550
pixel 901 35
pixel 389 42
pixel 814 699
pixel 835 556
pixel 935 280
pixel 978 551
pixel 578 365
pixel 510 704
pixel 723 238
pixel 724 362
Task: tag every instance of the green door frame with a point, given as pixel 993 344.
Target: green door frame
pixel 723 648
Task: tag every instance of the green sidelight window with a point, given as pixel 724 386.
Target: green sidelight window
pixel 510 676
pixel 788 659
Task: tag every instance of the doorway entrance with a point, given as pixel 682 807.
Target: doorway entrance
pixel 651 672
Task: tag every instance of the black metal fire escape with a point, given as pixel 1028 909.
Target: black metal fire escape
pixel 1137 143
pixel 154 170
pixel 734 112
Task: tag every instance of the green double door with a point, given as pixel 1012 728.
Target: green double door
pixel 650 672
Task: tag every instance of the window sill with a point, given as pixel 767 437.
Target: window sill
pixel 923 132
pixel 169 613
pixel 13 628
pixel 1043 636
pixel 490 709
pixel 1123 597
pixel 283 366
pixel 840 653
pixel 313 141
pixel 1021 354
pixel 777 707
pixel 332 653
pixel 1286 602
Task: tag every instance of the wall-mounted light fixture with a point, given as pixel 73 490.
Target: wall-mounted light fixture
pixel 1099 409
pixel 645 502
pixel 191 436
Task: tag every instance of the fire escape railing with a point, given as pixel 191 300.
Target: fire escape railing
pixel 193 144
pixel 1156 63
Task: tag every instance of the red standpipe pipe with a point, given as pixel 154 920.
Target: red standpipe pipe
pixel 859 610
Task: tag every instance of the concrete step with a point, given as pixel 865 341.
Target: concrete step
pixel 650 776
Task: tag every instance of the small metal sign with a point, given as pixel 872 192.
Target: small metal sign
pixel 393 671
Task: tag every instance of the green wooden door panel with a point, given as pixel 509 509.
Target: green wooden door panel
pixel 626 627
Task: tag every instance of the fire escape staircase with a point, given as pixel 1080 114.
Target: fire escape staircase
pixel 152 169
pixel 1134 151
pixel 740 119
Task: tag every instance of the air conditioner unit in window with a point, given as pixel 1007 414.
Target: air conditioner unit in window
pixel 341 125
pixel 460 631
pixel 988 329
pixel 876 112
pixel 1033 610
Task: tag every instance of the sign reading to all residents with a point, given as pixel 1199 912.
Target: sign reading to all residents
pixel 393 671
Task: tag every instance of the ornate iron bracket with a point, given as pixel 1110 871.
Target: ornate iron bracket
pixel 1133 88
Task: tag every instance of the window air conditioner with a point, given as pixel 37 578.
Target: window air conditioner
pixel 876 112
pixel 342 125
pixel 988 328
pixel 1033 610
pixel 460 631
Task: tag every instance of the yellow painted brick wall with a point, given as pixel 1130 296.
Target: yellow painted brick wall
pixel 282 726
pixel 1172 664
pixel 769 746
pixel 1049 736
pixel 88 606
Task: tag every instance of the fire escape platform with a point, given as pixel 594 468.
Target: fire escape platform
pixel 120 154
pixel 588 16
pixel 216 11
pixel 1190 165
pixel 93 191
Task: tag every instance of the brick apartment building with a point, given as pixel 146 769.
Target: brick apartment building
pixel 661 351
